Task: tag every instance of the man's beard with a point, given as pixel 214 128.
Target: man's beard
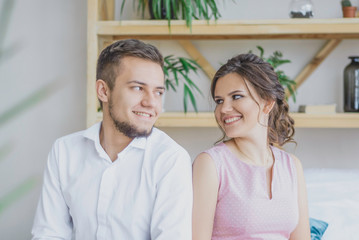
pixel 127 129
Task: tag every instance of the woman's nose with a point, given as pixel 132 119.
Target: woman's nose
pixel 226 107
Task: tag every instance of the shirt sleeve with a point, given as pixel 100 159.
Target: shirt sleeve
pixel 172 212
pixel 52 218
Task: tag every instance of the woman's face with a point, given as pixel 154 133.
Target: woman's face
pixel 239 110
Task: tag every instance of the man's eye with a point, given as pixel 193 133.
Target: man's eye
pixel 218 101
pixel 137 88
pixel 159 93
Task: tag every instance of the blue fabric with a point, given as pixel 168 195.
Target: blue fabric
pixel 317 228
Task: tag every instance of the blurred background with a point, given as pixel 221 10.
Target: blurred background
pixel 43 90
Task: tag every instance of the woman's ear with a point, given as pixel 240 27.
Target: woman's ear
pixel 269 106
pixel 102 90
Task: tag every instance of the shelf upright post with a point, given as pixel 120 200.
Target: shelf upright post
pixel 92 53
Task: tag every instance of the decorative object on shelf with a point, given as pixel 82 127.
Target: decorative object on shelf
pixel 318 109
pixel 276 60
pixel 301 9
pixel 179 9
pixel 351 85
pixel 349 10
pixel 177 70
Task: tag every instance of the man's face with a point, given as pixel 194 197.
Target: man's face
pixel 136 99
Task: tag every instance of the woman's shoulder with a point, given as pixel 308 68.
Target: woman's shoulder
pixel 281 154
pixel 210 156
pixel 287 160
pixel 215 149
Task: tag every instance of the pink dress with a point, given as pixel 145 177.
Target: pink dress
pixel 244 209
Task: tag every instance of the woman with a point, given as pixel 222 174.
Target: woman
pixel 244 187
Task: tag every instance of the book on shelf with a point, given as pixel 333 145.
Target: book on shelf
pixel 317 109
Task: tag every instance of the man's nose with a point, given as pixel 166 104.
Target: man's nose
pixel 149 100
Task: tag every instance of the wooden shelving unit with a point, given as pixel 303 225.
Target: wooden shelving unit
pixel 103 32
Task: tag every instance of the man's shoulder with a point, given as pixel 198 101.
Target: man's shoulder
pixel 71 138
pixel 79 136
pixel 161 141
pixel 165 154
pixel 160 137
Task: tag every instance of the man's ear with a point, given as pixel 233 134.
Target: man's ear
pixel 102 90
pixel 269 106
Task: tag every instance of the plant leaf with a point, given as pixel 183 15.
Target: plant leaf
pixel 29 102
pixel 175 75
pixel 191 84
pixel 122 6
pixel 185 94
pixel 184 64
pixel 191 96
pixel 17 193
pixel 5 150
pixel 5 13
pixel 261 50
pixel 179 68
pixel 188 14
pixel 170 84
pixel 6 54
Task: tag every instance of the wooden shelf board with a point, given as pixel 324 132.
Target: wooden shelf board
pixel 227 29
pixel 302 120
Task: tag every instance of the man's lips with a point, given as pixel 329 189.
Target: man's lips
pixel 143 114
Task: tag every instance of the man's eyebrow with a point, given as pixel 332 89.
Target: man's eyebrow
pixel 144 84
pixel 161 87
pixel 135 81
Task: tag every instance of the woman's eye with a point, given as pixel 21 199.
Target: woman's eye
pixel 235 97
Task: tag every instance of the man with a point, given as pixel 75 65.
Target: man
pixel 121 178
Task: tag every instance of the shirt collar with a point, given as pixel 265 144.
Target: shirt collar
pixel 93 133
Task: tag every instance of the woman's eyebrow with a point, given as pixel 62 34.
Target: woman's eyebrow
pixel 236 91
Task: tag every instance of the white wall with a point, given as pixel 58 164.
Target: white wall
pixel 50 38
pixel 51 46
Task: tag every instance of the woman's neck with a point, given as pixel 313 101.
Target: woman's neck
pixel 254 151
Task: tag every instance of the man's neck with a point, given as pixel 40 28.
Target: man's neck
pixel 112 141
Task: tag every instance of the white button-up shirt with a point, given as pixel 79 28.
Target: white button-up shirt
pixel 145 194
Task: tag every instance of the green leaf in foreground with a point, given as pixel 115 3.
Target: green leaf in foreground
pixel 28 102
pixel 17 193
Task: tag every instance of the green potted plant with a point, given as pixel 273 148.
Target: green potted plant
pixel 276 60
pixel 349 10
pixel 177 71
pixel 178 9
